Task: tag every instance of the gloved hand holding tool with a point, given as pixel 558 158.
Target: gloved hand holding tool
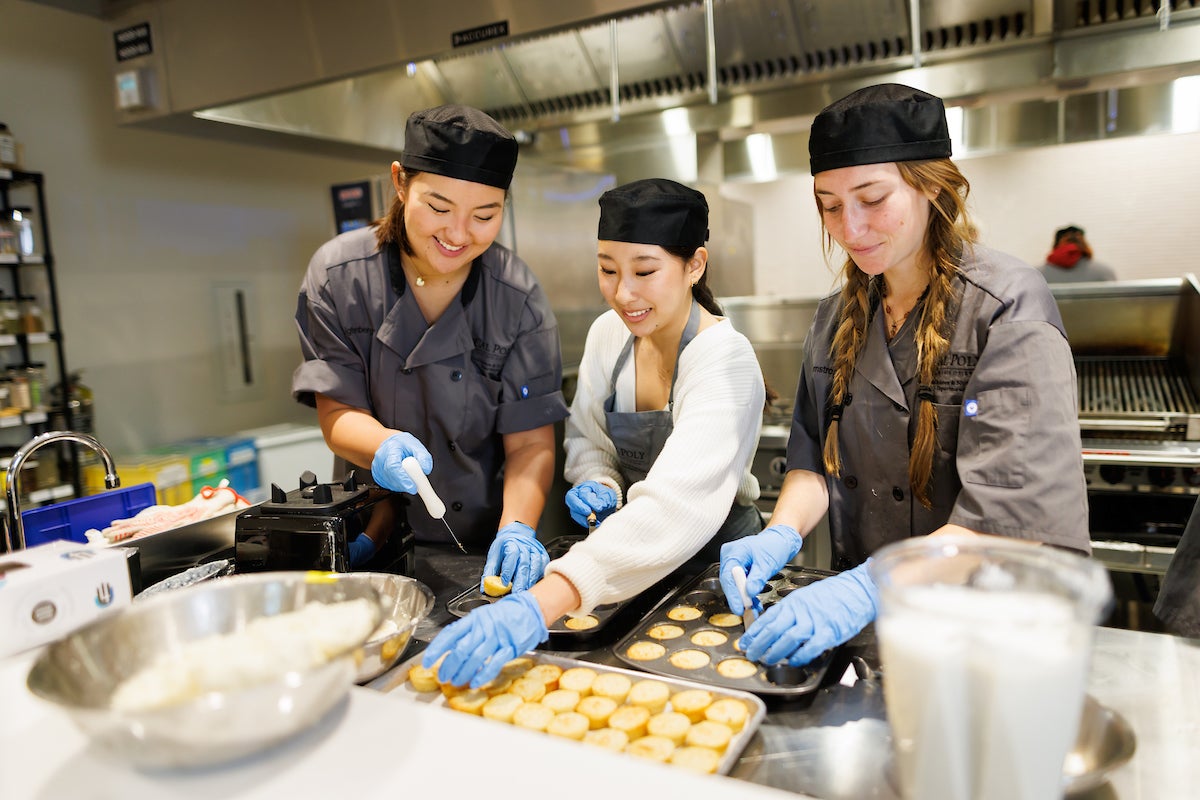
pixel 813 619
pixel 402 464
pixel 591 498
pixel 481 643
pixel 761 556
pixel 516 556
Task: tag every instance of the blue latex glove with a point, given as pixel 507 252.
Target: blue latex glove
pixel 761 556
pixel 361 550
pixel 479 644
pixel 813 619
pixel 516 556
pixel 386 469
pixel 588 497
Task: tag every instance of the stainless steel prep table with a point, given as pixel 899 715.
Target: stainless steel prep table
pixel 836 746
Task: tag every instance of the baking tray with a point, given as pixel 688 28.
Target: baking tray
pixel 610 620
pixel 715 641
pixel 396 682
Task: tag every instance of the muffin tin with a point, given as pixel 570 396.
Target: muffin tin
pixel 610 620
pixel 397 683
pixel 705 651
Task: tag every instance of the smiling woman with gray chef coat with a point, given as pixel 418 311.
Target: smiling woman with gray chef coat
pixel 423 337
pixel 937 393
pixel 666 418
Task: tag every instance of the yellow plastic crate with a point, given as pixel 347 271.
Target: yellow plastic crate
pixel 170 475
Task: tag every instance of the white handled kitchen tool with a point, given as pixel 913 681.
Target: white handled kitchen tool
pixel 433 503
pixel 739 580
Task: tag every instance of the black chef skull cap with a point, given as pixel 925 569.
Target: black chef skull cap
pixel 460 142
pixel 1061 232
pixel 877 125
pixel 654 211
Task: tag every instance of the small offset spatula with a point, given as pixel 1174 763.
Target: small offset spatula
pixel 739 579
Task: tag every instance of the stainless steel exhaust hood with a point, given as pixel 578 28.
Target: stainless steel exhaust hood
pixel 582 82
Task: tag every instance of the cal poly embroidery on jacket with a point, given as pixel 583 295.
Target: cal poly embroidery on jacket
pixel 489 358
pixel 953 375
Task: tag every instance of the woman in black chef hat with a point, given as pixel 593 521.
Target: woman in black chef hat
pixel 423 337
pixel 937 392
pixel 663 428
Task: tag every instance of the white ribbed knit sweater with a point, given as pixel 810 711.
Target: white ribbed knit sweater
pixel 705 464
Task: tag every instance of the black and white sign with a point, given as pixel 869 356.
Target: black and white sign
pixel 483 33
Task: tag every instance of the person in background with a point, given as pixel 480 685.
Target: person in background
pixel 937 392
pixel 1178 603
pixel 1071 259
pixel 423 337
pixel 662 433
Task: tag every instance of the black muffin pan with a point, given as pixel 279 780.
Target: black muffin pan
pixel 612 619
pixel 703 635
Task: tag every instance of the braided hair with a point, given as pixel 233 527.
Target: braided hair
pixel 950 230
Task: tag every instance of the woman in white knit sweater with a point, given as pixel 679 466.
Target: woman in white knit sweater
pixel 663 429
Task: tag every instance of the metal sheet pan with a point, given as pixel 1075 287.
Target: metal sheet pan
pixel 716 643
pixel 397 683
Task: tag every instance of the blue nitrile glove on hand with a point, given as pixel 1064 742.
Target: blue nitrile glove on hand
pixel 761 556
pixel 516 556
pixel 813 619
pixel 386 469
pixel 591 497
pixel 482 642
pixel 361 550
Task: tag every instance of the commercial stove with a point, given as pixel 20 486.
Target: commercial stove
pixel 311 528
pixel 1136 347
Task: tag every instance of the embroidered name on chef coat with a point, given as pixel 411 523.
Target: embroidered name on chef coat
pixel 489 358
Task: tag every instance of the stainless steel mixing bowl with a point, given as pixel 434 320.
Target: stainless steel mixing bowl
pixel 405 603
pixel 80 672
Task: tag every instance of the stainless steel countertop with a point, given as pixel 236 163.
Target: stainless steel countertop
pixel 835 744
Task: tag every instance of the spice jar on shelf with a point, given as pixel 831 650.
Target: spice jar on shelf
pixel 20 220
pixel 10 314
pixel 32 319
pixel 21 398
pixel 35 373
pixel 8 147
pixel 8 234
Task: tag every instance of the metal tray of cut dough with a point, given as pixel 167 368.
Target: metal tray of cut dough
pixel 703 648
pixel 606 622
pixel 396 682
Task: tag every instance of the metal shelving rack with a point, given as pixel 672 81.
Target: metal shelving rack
pixel 13 183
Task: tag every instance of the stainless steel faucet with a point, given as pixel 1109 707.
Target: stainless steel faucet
pixel 16 529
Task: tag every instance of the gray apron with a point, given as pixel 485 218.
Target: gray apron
pixel 639 437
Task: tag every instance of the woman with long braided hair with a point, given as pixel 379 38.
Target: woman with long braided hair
pixel 938 392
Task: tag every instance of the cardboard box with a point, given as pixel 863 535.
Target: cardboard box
pixel 52 589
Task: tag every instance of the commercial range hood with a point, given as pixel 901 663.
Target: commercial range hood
pixel 591 83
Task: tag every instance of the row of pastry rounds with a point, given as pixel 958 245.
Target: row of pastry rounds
pixel 689 658
pixel 689 728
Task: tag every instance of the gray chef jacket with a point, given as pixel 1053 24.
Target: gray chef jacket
pixel 1008 458
pixel 490 365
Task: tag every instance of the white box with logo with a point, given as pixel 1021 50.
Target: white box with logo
pixel 50 590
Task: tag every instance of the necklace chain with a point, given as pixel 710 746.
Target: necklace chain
pixel 894 325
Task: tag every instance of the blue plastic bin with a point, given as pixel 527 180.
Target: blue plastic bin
pixel 241 464
pixel 68 520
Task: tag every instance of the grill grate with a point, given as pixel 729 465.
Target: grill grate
pixel 1134 386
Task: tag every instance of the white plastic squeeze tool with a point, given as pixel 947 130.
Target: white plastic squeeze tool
pixel 739 579
pixel 433 503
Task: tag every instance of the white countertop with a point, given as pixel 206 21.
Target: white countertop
pixel 371 745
